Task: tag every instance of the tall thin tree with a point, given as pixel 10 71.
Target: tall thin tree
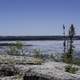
pixel 68 57
pixel 71 36
pixel 64 43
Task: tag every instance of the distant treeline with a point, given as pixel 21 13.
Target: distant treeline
pixel 33 38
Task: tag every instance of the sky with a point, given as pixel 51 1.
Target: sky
pixel 38 17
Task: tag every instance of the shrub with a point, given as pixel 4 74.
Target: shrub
pixel 76 61
pixel 71 69
pixel 67 58
pixel 15 50
pixel 37 53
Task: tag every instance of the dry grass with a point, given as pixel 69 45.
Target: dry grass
pixel 8 59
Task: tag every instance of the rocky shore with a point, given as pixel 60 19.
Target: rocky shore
pixel 46 71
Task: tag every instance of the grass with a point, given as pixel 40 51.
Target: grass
pixel 8 59
pixel 36 61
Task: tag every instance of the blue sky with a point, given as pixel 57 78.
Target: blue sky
pixel 38 17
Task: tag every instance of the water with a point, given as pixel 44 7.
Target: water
pixel 51 46
pixel 47 46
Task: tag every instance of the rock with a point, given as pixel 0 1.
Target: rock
pixel 46 71
pixel 51 71
pixel 11 78
pixel 8 70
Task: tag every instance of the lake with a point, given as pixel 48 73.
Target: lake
pixel 51 46
pixel 46 46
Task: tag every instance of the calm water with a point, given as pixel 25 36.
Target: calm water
pixel 48 46
pixel 51 46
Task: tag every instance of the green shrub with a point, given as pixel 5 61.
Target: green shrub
pixel 71 69
pixel 76 61
pixel 15 50
pixel 67 58
pixel 38 54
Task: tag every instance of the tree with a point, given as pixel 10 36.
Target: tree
pixel 68 57
pixel 71 36
pixel 64 43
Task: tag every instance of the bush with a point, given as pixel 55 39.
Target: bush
pixel 37 53
pixel 76 61
pixel 67 58
pixel 71 69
